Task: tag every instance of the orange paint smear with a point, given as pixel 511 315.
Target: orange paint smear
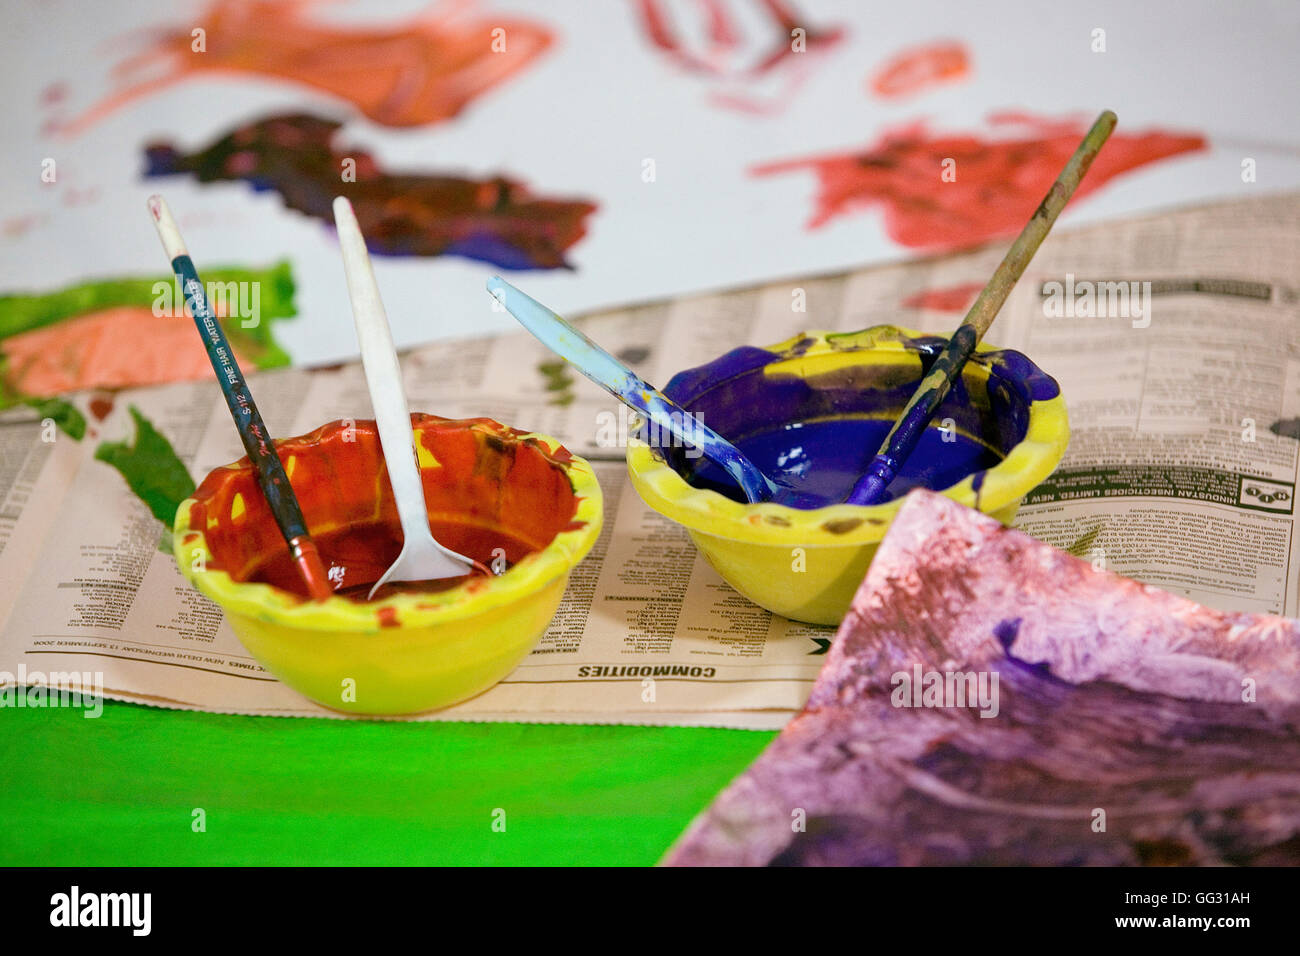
pixel 423 71
pixel 114 348
pixel 1000 180
pixel 921 68
pixel 16 226
pixel 953 298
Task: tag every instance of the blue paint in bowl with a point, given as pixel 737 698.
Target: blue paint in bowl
pixel 814 427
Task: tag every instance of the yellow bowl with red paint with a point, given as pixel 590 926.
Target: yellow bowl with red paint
pixel 410 652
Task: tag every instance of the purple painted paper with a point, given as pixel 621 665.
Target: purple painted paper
pixel 1170 724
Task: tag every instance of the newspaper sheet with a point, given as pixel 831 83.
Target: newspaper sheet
pixel 1181 472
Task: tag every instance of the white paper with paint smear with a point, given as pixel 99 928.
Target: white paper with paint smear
pixel 586 116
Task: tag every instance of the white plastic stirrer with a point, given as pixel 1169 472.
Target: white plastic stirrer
pixel 422 558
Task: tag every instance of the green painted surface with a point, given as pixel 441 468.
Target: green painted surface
pixel 121 789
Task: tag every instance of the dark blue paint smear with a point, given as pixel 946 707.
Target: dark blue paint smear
pixel 1006 631
pixel 977 485
pixel 846 413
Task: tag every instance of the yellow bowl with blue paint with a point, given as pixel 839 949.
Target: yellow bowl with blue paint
pixel 517 502
pixel 1001 431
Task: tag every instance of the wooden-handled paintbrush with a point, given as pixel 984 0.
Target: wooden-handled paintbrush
pixel 929 395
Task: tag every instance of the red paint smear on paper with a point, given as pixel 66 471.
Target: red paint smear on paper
pixel 921 68
pixel 16 226
pixel 80 197
pixel 496 220
pixel 1000 180
pixel 725 61
pixel 54 93
pixel 101 405
pixel 92 351
pixel 721 31
pixel 955 298
pixel 423 71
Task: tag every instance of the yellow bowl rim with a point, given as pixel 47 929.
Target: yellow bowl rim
pixel 534 572
pixel 709 512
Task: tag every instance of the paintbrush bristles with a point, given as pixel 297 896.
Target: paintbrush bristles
pixel 168 231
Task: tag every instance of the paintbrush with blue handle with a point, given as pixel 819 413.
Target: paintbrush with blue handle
pixel 252 432
pixel 929 395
